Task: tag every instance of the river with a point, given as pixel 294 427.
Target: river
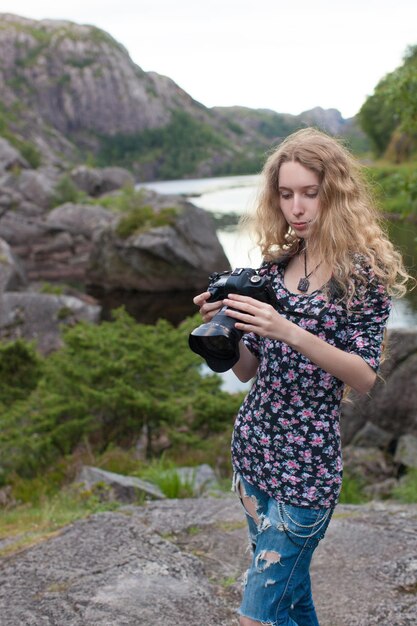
pixel 228 197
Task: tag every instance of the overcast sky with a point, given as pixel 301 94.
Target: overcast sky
pixel 280 55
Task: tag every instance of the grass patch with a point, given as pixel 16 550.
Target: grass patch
pixel 228 527
pixel 143 218
pixel 352 491
pixel 229 581
pixel 52 290
pixel 27 524
pixel 165 475
pixel 407 489
pixel 192 531
pixel 137 216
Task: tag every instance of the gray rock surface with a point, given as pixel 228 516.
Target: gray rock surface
pixel 202 479
pixel 371 435
pixel 368 464
pixel 181 562
pixel 55 246
pixel 10 158
pixel 406 451
pixel 38 317
pixel 123 488
pixel 35 186
pixel 11 273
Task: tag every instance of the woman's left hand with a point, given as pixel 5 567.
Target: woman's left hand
pixel 257 317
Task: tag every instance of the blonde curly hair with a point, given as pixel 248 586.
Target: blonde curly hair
pixel 349 225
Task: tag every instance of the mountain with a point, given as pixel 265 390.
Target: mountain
pixel 71 93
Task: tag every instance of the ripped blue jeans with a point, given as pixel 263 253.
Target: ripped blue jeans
pixel 277 588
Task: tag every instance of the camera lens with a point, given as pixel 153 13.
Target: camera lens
pixel 217 344
pixel 217 341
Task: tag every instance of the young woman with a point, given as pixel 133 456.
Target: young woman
pixel 334 272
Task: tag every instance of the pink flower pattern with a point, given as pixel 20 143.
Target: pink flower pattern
pixel 286 437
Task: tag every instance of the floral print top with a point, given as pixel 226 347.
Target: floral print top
pixel 286 437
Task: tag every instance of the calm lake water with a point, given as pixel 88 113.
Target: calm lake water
pixel 228 197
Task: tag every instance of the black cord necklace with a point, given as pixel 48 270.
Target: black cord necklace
pixel 304 283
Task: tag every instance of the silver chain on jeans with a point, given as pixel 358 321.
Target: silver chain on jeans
pixel 325 516
pixel 317 525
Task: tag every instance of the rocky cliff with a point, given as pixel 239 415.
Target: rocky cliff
pixel 69 90
pixel 65 86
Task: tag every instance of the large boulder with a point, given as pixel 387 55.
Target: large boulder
pixel 96 181
pixel 80 242
pixel 175 257
pixel 79 219
pixel 117 486
pixel 56 247
pixel 34 186
pixel 39 317
pixel 406 451
pixel 18 229
pixel 392 403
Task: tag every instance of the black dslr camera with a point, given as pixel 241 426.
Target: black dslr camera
pixel 218 340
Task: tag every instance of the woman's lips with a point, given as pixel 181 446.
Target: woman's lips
pixel 299 225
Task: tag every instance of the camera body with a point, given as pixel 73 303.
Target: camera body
pixel 244 281
pixel 218 340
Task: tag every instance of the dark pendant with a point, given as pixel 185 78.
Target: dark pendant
pixel 303 285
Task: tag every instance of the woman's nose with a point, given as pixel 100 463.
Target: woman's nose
pixel 297 206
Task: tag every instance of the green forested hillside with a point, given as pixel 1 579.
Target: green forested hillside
pixel 389 115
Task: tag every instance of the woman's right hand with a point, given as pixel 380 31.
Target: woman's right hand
pixel 207 309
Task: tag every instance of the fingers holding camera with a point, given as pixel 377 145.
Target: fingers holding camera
pixel 207 310
pixel 254 316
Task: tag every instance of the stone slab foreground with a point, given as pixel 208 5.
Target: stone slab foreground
pixel 180 562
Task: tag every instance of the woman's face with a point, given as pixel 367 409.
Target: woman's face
pixel 299 197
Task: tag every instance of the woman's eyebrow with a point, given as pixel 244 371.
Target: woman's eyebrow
pixel 303 187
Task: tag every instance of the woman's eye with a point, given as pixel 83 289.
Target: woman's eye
pixel 285 195
pixel 312 195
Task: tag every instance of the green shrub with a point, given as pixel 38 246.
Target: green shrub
pixel 395 187
pixel 143 218
pixel 123 201
pixel 27 149
pixel 67 191
pixel 118 460
pixel 108 384
pixel 20 371
pixel 136 215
